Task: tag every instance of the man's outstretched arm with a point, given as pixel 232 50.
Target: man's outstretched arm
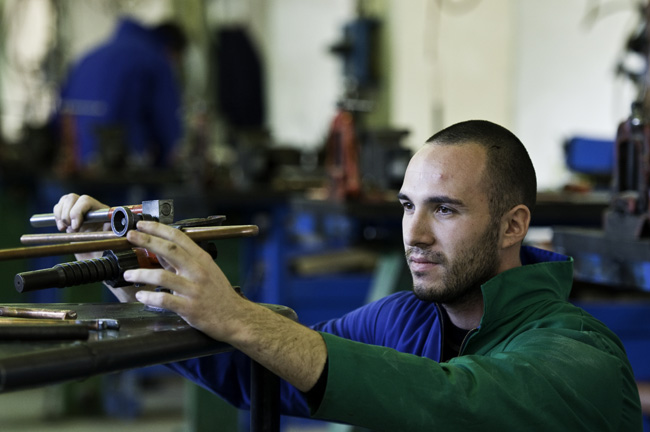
pixel 204 297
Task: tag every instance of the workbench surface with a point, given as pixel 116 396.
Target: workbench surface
pixel 145 338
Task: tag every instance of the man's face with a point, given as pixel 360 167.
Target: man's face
pixel 451 242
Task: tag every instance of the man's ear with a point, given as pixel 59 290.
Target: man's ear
pixel 514 225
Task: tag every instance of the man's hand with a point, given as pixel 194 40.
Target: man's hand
pixel 69 213
pixel 203 296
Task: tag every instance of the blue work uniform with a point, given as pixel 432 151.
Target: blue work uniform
pixel 127 83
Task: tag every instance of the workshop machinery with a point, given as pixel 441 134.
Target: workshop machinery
pixel 616 258
pixel 618 255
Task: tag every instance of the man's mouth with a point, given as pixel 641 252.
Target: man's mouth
pixel 420 263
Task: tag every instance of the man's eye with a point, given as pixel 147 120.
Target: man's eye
pixel 444 210
pixel 407 205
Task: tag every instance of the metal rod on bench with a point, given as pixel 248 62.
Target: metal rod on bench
pixel 265 399
pixel 120 243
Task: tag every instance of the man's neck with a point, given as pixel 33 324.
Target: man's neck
pixel 466 315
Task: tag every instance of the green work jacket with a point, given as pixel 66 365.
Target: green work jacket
pixel 535 363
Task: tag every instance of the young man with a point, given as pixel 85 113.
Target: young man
pixel 486 340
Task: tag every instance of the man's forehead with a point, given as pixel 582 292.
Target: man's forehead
pixel 448 159
pixel 450 171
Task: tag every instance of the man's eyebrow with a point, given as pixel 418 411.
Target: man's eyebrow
pixel 442 199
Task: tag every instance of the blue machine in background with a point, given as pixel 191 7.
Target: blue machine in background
pixel 590 156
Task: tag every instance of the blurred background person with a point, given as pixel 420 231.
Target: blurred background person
pixel 120 105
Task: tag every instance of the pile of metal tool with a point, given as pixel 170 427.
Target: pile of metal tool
pixel 18 323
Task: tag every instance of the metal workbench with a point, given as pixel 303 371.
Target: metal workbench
pixel 145 338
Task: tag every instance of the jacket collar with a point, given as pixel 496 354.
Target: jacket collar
pixel 542 276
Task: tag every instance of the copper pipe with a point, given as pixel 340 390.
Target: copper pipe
pixel 120 243
pixel 91 324
pixel 21 312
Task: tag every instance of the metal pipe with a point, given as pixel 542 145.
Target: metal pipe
pixel 59 238
pixel 265 399
pixel 48 219
pixel 103 215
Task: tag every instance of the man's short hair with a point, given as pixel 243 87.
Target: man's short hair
pixel 509 174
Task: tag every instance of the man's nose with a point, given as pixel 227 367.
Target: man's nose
pixel 417 230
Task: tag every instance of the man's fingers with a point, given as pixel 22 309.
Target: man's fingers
pixel 170 252
pixel 166 232
pixel 154 277
pixel 159 278
pixel 158 299
pixel 77 213
pixel 170 244
pixel 71 209
pixel 62 211
pixel 81 206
